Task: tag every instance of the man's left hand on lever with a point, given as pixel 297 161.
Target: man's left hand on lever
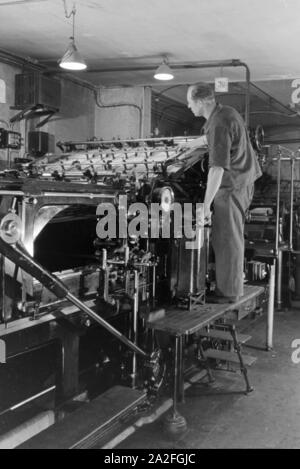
pixel 203 216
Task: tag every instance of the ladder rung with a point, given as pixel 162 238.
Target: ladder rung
pixel 228 356
pixel 225 335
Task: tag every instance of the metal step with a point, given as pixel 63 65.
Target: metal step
pixel 228 356
pixel 224 335
pixel 85 427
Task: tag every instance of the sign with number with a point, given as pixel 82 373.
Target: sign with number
pixel 221 85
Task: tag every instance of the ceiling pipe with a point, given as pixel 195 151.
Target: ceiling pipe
pixel 14 59
pixel 21 61
pixel 191 66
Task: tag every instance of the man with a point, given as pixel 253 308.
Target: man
pixel 233 168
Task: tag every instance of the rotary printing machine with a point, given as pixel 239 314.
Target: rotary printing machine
pixel 75 305
pixel 72 302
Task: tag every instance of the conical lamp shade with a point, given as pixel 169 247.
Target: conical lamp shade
pixel 164 72
pixel 71 59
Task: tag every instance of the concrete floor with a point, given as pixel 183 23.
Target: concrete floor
pixel 218 417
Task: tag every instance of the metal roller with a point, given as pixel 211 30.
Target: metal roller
pixel 10 228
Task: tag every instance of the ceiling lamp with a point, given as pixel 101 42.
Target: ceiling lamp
pixel 164 72
pixel 72 59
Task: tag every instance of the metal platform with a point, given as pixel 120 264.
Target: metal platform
pixel 83 428
pixel 180 323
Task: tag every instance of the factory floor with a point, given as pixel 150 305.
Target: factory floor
pixel 218 416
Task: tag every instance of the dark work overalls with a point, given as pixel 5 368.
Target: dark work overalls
pixel 230 148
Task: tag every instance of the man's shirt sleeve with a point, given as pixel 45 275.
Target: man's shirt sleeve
pixel 219 143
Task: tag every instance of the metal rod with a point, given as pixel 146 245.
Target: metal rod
pixel 180 373
pixel 278 202
pixel 59 194
pixel 135 325
pixel 270 320
pixel 2 261
pixel 20 404
pixel 105 324
pixel 177 348
pixel 12 193
pixel 131 140
pixel 291 204
pixel 153 285
pixel 247 97
pixel 77 195
pixel 23 259
pixel 279 279
pixel 287 158
pixel 191 277
pixel 178 66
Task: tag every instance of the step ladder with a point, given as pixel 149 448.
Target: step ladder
pixel 222 335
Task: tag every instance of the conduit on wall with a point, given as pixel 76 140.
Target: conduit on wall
pixel 190 66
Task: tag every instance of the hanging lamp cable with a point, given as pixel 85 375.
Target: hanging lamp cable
pixel 72 12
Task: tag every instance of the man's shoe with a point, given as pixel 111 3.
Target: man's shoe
pixel 221 299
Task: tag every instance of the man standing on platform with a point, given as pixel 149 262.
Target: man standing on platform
pixel 233 169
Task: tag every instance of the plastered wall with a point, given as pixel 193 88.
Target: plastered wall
pixel 131 120
pixel 7 76
pixel 75 120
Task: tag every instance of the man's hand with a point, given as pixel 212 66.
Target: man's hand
pixel 203 217
pixel 195 143
pixel 207 215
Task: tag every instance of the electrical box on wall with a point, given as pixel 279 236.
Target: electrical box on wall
pixel 10 139
pixel 33 89
pixel 40 143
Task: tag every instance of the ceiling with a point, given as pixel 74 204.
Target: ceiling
pixel 114 34
pixel 123 42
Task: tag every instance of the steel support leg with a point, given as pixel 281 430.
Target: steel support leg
pixel 270 321
pixel 176 423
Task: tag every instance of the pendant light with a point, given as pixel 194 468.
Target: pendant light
pixel 164 72
pixel 72 59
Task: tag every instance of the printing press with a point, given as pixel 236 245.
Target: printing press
pixel 75 306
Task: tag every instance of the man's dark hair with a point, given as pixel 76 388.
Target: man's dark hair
pixel 202 90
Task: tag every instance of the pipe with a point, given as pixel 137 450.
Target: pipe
pixel 193 65
pixel 135 326
pixel 291 204
pixel 130 140
pixel 177 66
pixel 9 58
pixel 278 202
pixel 270 320
pixel 286 158
pixel 279 279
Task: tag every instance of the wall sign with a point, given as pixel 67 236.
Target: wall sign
pixel 221 85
